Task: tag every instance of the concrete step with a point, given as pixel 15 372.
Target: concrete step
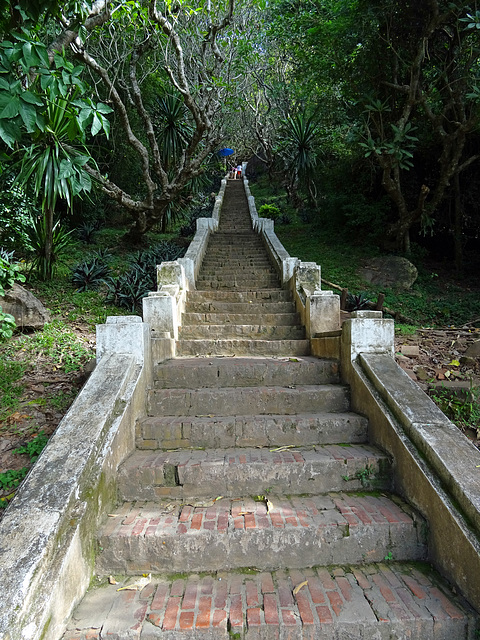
pixel 261 260
pixel 173 432
pixel 236 282
pixel 245 271
pixel 274 319
pixel 383 601
pixel 236 243
pixel 248 296
pixel 254 332
pixel 225 534
pixel 223 306
pixel 187 474
pixel 192 373
pixel 241 401
pixel 238 347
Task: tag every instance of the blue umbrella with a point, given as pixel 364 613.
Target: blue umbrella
pixel 225 152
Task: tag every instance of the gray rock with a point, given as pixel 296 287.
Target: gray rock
pixel 28 311
pixel 390 271
pixel 473 350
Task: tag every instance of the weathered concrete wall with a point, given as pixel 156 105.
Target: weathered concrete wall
pixel 436 469
pixel 192 260
pixel 47 535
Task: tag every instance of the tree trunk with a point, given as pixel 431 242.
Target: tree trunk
pixel 458 224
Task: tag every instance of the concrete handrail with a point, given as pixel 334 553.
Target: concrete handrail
pixel 162 309
pixel 319 310
pixel 436 469
pixel 204 227
pixel 47 533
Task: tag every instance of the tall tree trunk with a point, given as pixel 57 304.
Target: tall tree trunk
pixel 458 224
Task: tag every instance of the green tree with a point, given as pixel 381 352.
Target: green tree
pixel 44 117
pixel 187 49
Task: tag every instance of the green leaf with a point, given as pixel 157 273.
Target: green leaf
pixel 12 109
pixel 104 108
pixel 29 97
pixel 80 161
pixel 96 125
pixel 106 125
pixel 28 114
pixel 42 53
pixel 83 118
pixel 4 84
pixel 8 134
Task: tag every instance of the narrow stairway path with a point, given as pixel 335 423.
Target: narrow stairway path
pixel 253 497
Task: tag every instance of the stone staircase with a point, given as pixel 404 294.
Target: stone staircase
pixel 239 307
pixel 253 497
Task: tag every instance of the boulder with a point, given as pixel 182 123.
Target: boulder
pixel 28 311
pixel 473 350
pixel 392 272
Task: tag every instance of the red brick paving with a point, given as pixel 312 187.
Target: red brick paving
pixel 238 601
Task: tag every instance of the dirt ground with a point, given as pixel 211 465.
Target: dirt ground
pixel 434 358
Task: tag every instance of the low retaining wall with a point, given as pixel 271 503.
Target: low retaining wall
pixel 47 535
pixel 436 468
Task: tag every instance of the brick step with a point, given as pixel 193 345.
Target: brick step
pixel 192 373
pixel 274 319
pixel 227 265
pixel 236 243
pixel 246 266
pixel 250 431
pixel 241 401
pixel 187 474
pixel 279 532
pixel 243 347
pixel 248 296
pixel 223 306
pixel 225 254
pixel 380 601
pixel 233 283
pixel 255 332
pixel 239 226
pixel 224 235
pixel 222 249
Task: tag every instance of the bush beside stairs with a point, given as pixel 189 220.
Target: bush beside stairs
pixel 253 498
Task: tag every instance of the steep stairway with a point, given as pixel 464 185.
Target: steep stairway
pixel 239 307
pixel 253 497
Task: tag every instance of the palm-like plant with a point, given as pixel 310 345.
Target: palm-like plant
pixel 54 170
pixel 298 151
pixel 171 127
pixel 40 235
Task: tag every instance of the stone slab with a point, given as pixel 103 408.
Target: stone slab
pixel 238 346
pixel 195 373
pixel 250 431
